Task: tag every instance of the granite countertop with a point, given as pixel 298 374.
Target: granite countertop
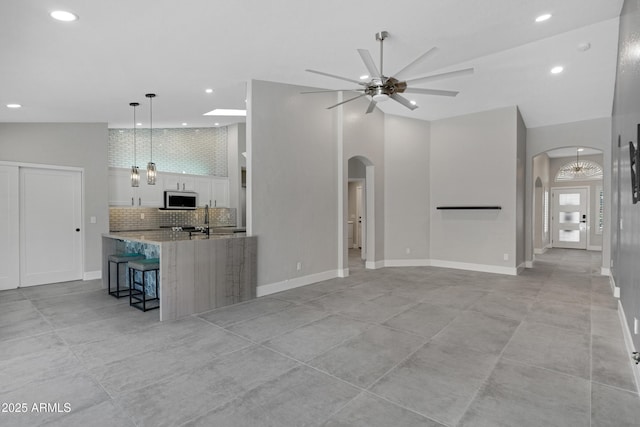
pixel 167 235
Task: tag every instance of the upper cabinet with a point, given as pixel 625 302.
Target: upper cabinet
pixel 121 193
pixel 212 191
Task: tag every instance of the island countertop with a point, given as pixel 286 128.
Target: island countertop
pixel 157 236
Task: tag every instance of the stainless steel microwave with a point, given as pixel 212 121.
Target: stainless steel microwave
pixel 180 200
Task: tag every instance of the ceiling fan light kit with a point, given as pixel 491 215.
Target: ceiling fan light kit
pixel 381 88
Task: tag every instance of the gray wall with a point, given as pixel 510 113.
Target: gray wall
pixel 521 162
pixel 406 156
pixel 81 145
pixel 474 162
pixel 626 215
pixel 293 181
pixel 594 133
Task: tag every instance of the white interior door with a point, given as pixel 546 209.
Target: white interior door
pixel 9 225
pixel 570 212
pixel 50 226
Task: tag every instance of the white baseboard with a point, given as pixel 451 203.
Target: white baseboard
pixel 407 263
pixel 594 248
pixel 528 264
pixel 296 282
pixel 520 268
pixel 604 271
pixel 484 268
pixel 92 275
pixel 629 344
pixel 374 265
pixel 540 251
pixel 614 289
pixel 343 272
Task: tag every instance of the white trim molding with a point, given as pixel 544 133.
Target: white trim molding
pixel 614 289
pixel 92 275
pixel 629 344
pixel 604 271
pixel 344 272
pixel 296 282
pixel 528 264
pixel 594 248
pixel 484 268
pixel 374 265
pixel 539 251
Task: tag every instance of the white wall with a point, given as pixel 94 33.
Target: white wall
pixel 474 162
pixel 406 156
pixel 540 170
pixel 521 162
pixel 81 145
pixel 594 133
pixel 292 183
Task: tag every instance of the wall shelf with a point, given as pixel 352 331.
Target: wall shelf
pixel 469 207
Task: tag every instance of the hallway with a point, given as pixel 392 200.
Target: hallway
pixel 415 346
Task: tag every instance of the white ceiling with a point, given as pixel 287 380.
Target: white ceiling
pixel 89 70
pixel 571 152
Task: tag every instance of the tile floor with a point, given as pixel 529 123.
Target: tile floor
pixel 391 347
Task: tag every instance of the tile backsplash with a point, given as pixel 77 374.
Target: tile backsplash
pixel 130 219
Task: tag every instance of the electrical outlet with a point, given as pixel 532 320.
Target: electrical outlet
pixel 93 220
pixel 408 250
pixel 635 325
pixel 506 257
pixel 141 216
pixel 299 266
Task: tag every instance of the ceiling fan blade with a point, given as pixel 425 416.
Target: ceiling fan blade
pixel 368 62
pixel 431 91
pixel 441 76
pixel 348 100
pixel 372 106
pixel 334 90
pixel 404 101
pixel 399 75
pixel 335 77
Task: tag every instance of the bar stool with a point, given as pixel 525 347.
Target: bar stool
pixel 118 259
pixel 138 297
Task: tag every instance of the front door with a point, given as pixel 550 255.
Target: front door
pixel 50 226
pixel 570 211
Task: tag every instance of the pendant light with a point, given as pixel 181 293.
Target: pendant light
pixel 135 172
pixel 151 167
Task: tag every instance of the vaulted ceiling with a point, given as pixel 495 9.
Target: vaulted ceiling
pixel 89 70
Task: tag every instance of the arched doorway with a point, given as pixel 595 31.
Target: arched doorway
pixel 568 199
pixel 360 214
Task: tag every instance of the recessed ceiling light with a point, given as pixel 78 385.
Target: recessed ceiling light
pixel 184 124
pixel 364 77
pixel 412 102
pixel 63 15
pixel 138 124
pixel 226 112
pixel 209 90
pixel 557 70
pixel 14 105
pixel 543 18
pixel 216 124
pixel 580 149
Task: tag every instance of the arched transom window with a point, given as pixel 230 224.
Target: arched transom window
pixel 579 170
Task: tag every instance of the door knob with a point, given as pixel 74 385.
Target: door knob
pixel 77 229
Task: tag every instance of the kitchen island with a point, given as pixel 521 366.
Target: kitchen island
pixel 198 271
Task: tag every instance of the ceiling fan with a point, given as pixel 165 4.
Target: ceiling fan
pixel 381 88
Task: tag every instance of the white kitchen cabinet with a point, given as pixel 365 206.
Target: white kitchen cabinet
pixel 178 182
pixel 121 193
pixel 212 191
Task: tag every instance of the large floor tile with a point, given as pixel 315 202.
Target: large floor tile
pixel 605 322
pixel 423 319
pixel 265 327
pixel 317 337
pixel 506 305
pixel 552 348
pixel 11 295
pixel 611 364
pixel 23 322
pixel 525 396
pixel 301 294
pixel 561 314
pixel 437 382
pixel 248 310
pixel 104 414
pixel 65 288
pixel 301 397
pixel 478 332
pixel 181 398
pixel 379 309
pixel 344 300
pixel 611 407
pixel 369 411
pixel 366 357
pixel 460 297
